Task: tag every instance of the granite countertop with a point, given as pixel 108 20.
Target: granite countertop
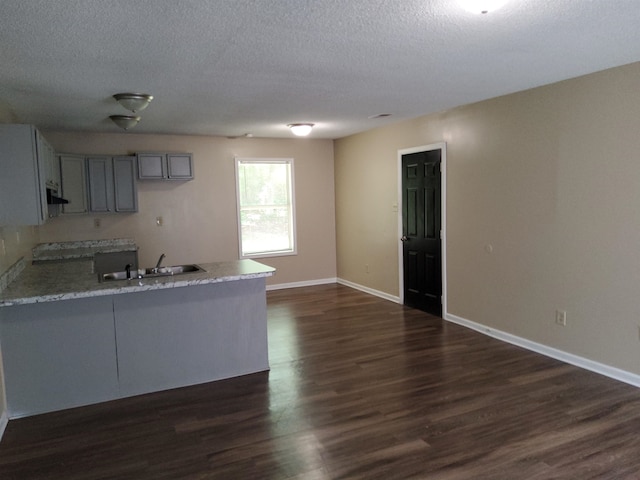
pixel 84 249
pixel 50 282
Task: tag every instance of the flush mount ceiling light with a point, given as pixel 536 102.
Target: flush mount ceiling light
pixel 300 129
pixel 125 121
pixel 481 6
pixel 133 101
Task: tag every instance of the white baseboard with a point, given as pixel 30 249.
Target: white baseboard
pixel 368 290
pixel 325 281
pixel 307 283
pixel 581 362
pixel 602 369
pixel 4 421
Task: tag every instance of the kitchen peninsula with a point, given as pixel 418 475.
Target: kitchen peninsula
pixel 69 340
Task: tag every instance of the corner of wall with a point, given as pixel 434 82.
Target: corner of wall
pixel 6 114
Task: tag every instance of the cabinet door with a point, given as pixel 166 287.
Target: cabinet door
pixel 183 336
pixel 58 355
pixel 43 163
pixel 152 166
pixel 125 189
pixel 100 180
pixel 51 171
pixel 180 166
pixel 52 166
pixel 54 162
pixel 23 195
pixel 74 183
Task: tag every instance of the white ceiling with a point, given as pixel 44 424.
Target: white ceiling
pixel 230 67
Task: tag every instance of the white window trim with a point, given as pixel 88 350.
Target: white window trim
pixel 294 235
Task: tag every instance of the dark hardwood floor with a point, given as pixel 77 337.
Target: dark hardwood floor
pixel 359 388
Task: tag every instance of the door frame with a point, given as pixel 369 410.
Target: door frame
pixel 442 146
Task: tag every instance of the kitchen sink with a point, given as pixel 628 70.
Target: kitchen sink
pixel 151 272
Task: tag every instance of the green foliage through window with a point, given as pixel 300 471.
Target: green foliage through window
pixel 265 206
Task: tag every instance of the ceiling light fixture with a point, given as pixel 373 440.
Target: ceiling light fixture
pixel 133 101
pixel 300 129
pixel 125 121
pixel 481 6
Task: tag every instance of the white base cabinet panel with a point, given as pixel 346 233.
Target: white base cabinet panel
pixel 184 336
pixel 58 355
pixel 70 353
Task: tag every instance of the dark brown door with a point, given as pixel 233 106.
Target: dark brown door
pixel 421 227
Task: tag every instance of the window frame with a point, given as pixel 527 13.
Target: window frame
pixel 292 207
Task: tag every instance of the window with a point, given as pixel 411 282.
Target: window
pixel 266 211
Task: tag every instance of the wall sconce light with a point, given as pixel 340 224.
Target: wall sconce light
pixel 300 129
pixel 125 121
pixel 133 101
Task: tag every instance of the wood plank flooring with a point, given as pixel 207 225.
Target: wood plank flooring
pixel 359 388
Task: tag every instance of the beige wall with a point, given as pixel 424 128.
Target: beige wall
pixel 550 179
pixel 6 114
pixel 16 242
pixel 200 222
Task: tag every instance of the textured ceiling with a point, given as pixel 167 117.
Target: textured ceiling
pixel 230 67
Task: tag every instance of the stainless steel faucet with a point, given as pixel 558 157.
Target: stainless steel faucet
pixel 159 262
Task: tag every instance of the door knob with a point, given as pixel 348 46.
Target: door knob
pixel 404 238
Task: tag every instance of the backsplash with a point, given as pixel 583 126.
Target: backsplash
pixel 15 243
pixel 11 273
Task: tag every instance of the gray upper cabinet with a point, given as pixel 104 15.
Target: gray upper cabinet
pixel 50 168
pixel 23 194
pixel 73 173
pixel 151 166
pixel 100 181
pixel 98 184
pixel 111 184
pixel 124 184
pixel 165 166
pixel 180 166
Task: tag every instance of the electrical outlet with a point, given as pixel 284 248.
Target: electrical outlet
pixel 561 318
pixel 96 222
